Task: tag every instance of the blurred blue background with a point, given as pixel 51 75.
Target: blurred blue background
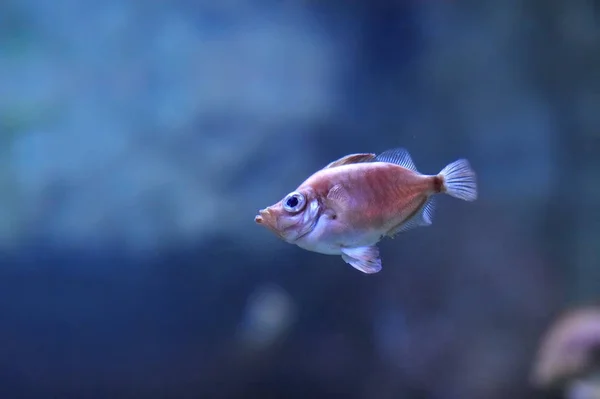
pixel 138 139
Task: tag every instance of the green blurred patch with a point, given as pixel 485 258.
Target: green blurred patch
pixel 17 120
pixel 16 34
pixel 13 205
pixel 11 123
pixel 20 118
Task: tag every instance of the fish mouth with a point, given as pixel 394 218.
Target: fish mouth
pixel 264 218
pixel 260 218
pixel 267 219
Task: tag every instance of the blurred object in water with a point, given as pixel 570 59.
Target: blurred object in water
pixel 568 355
pixel 268 314
pixel 588 389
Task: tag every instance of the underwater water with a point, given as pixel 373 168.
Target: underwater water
pixel 139 139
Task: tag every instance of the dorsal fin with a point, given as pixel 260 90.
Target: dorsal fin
pixel 352 158
pixel 398 156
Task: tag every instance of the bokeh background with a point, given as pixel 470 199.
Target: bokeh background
pixel 139 138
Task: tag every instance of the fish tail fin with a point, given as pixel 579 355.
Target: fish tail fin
pixel 459 180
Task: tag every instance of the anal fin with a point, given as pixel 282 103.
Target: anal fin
pixel 365 259
pixel 423 217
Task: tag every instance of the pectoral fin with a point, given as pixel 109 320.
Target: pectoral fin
pixel 365 259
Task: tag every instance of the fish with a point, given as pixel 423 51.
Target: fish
pixel 350 205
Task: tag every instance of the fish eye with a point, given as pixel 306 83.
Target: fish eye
pixel 294 202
